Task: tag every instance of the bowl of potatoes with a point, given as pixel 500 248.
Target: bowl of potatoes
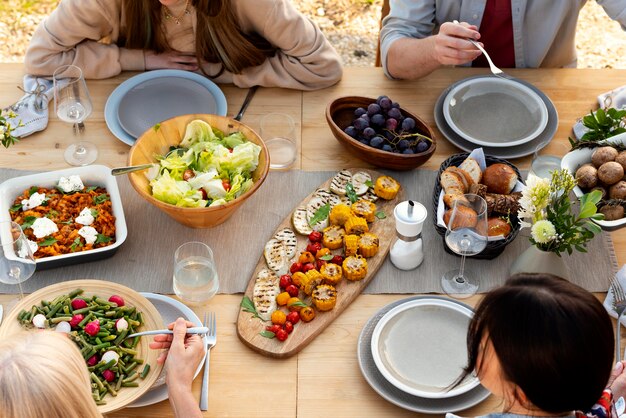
pixel 602 168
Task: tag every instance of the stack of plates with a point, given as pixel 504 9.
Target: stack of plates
pixel 508 118
pixel 412 350
pixel 154 96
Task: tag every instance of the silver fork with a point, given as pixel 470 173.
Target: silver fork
pixel 619 305
pixel 495 70
pixel 210 323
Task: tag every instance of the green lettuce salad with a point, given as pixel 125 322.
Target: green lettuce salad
pixel 209 169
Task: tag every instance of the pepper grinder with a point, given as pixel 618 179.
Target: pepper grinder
pixel 407 251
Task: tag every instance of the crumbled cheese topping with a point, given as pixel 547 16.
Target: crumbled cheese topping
pixel 89 233
pixel 85 217
pixel 23 250
pixel 43 227
pixel 33 201
pixel 70 184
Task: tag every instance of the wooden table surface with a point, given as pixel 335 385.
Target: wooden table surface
pixel 324 378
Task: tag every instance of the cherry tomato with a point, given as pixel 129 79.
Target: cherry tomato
pixel 295 267
pixel 293 317
pixel 306 257
pixel 319 264
pixel 308 266
pixel 285 280
pixel 281 335
pixel 294 304
pixel 204 195
pixel 288 327
pixel 307 314
pixel 315 236
pixel 188 174
pixel 226 184
pixel 337 260
pixel 292 290
pixel 230 150
pixel 314 247
pixel 321 253
pixel 278 317
pixel 274 328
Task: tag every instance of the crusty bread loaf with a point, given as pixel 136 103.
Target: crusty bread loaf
pixel 499 178
pixel 471 167
pixel 450 180
pixel 468 180
pixel 450 198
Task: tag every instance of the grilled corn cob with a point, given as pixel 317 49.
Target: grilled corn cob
pixel 354 268
pixel 333 237
pixel 324 297
pixel 331 273
pixel 339 214
pixel 386 187
pixel 350 245
pixel 368 245
pixel 311 280
pixel 365 209
pixel 356 225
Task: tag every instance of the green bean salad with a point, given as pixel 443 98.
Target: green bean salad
pixel 99 328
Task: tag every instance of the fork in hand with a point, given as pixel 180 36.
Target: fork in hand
pixel 619 305
pixel 210 323
pixel 495 70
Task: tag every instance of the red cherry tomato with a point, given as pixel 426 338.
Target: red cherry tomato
pixel 337 260
pixel 319 264
pixel 314 247
pixel 292 290
pixel 226 184
pixel 204 195
pixel 288 327
pixel 293 317
pixel 274 328
pixel 295 267
pixel 285 280
pixel 308 266
pixel 281 335
pixel 315 236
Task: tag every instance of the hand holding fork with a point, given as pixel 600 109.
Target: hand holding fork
pixel 619 305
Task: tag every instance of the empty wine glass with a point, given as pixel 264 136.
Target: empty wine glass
pixel 466 234
pixel 17 263
pixel 72 104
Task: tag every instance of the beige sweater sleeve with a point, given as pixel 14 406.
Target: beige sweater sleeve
pixel 305 60
pixel 74 33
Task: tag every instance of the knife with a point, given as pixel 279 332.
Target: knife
pixel 1 314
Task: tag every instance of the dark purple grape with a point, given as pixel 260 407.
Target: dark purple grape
pixel 351 130
pixel 377 142
pixel 395 105
pixel 390 135
pixel 373 109
pixel 360 124
pixel 387 148
pixel 408 124
pixel 381 98
pixel 408 151
pixel 394 113
pixel 366 117
pixel 368 133
pixel 391 124
pixel 378 120
pixel 364 141
pixel 385 103
pixel 359 111
pixel 422 146
pixel 402 144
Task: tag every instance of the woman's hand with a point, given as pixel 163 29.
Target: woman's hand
pixel 617 381
pixel 170 60
pixel 451 44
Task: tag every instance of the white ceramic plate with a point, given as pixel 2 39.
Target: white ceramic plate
pixel 157 105
pixel 574 159
pixel 419 346
pixel 91 175
pixel 511 152
pixel 170 310
pixel 398 397
pixel 495 112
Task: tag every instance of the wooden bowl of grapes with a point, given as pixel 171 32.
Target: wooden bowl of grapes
pixel 380 132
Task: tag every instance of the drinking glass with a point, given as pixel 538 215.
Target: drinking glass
pixel 195 274
pixel 279 134
pixel 72 104
pixel 17 263
pixel 466 234
pixel 542 166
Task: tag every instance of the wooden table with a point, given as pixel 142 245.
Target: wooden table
pixel 324 379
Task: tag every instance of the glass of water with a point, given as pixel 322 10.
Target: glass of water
pixel 72 104
pixel 543 166
pixel 17 263
pixel 195 274
pixel 279 134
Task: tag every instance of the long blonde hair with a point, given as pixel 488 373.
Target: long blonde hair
pixel 43 375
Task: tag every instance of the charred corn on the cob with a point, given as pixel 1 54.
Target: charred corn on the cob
pixel 324 297
pixel 350 245
pixel 368 245
pixel 331 273
pixel 365 209
pixel 386 187
pixel 356 225
pixel 354 268
pixel 333 237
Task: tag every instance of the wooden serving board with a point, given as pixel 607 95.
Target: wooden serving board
pixel 104 289
pixel 249 327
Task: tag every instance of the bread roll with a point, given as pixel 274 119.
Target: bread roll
pixel 450 180
pixel 499 178
pixel 466 217
pixel 465 176
pixel 498 226
pixel 471 167
pixel 450 198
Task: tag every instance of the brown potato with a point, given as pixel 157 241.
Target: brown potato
pixel 610 173
pixel 603 155
pixel 621 159
pixel 612 213
pixel 618 190
pixel 587 176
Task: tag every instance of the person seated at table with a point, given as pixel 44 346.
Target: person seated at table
pixel 418 37
pixel 245 42
pixel 545 347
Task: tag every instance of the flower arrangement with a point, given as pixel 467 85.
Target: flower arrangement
pixel 6 129
pixel 546 208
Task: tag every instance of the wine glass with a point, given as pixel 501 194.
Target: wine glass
pixel 466 234
pixel 17 263
pixel 72 104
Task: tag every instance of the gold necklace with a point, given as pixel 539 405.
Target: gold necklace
pixel 176 19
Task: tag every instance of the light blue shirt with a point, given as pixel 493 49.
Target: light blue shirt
pixel 543 30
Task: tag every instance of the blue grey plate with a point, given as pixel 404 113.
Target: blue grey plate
pixel 517 151
pixel 396 396
pixel 151 97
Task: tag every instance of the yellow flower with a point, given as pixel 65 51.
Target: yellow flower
pixel 543 232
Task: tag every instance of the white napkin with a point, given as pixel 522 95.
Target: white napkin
pixel 608 301
pixel 615 98
pixel 32 109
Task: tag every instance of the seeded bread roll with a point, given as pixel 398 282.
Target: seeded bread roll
pixel 499 178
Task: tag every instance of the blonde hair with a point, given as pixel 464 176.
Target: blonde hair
pixel 43 375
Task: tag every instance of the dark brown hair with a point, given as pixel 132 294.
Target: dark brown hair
pixel 219 38
pixel 554 340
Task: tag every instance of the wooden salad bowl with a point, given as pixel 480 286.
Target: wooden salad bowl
pixel 158 140
pixel 340 114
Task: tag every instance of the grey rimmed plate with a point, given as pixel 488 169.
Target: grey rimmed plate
pixel 396 396
pixel 509 152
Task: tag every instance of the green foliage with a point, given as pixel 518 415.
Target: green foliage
pixel 602 124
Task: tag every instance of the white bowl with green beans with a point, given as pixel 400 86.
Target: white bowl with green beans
pixel 98 316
